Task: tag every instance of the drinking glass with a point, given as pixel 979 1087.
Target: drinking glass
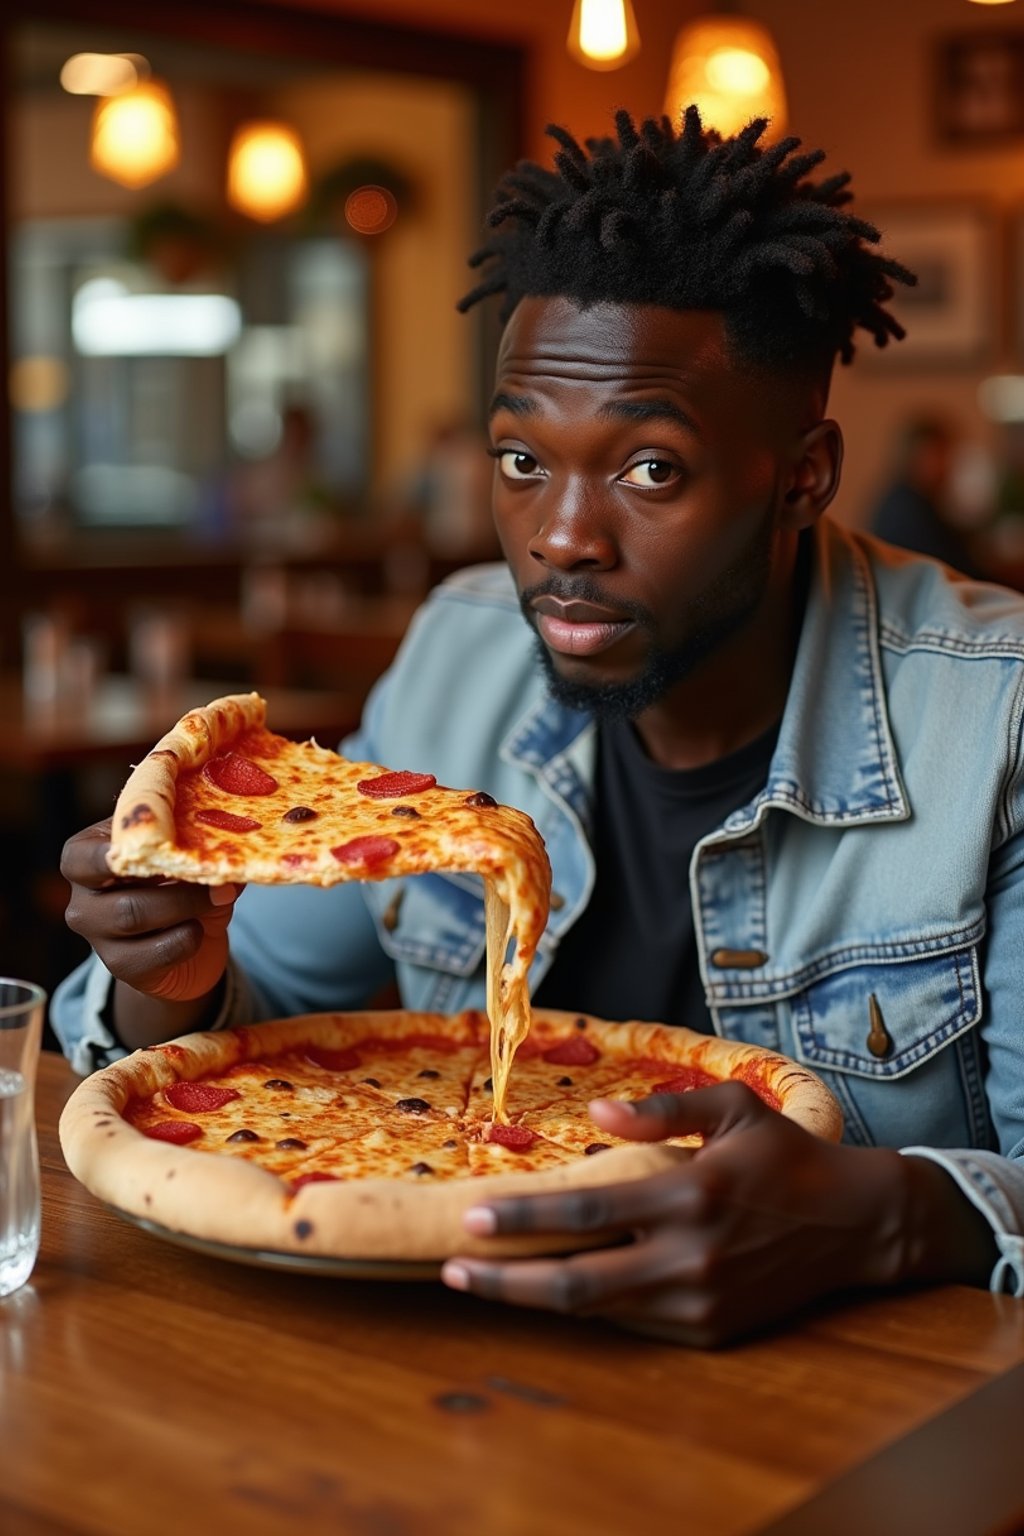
pixel 21 1027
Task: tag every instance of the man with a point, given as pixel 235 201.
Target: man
pixel 777 767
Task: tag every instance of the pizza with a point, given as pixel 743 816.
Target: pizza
pixel 368 1135
pixel 221 799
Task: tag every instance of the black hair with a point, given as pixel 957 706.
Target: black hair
pixel 692 220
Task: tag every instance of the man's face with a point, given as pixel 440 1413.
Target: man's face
pixel 637 482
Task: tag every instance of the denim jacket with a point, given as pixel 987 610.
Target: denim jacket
pixel 863 914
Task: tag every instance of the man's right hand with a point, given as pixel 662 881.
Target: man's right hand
pixel 165 939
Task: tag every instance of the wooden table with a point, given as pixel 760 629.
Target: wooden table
pixel 148 1389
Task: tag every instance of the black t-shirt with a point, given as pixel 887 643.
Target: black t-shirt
pixel 632 954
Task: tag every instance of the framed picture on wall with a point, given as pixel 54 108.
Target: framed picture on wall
pixel 978 87
pixel 952 315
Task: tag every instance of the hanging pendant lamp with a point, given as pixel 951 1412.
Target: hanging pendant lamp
pixel 134 138
pixel 603 33
pixel 267 175
pixel 729 66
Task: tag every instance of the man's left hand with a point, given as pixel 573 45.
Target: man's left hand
pixel 763 1218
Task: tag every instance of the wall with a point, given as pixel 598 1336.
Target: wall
pixel 859 84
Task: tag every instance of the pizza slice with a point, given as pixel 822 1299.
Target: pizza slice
pixel 221 799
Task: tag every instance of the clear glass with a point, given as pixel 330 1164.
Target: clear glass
pixel 21 1029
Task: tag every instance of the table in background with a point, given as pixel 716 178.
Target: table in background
pixel 147 1388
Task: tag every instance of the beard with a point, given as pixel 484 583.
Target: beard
pixel 717 613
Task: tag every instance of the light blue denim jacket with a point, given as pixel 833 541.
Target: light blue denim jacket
pixel 884 860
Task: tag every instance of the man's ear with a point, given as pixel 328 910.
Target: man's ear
pixel 815 477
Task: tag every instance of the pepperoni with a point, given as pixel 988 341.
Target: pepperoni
pixel 391 786
pixel 516 1137
pixel 295 859
pixel 334 1061
pixel 313 1178
pixel 574 1051
pixel 227 821
pixel 684 1080
pixel 238 775
pixel 366 850
pixel 199 1098
pixel 179 1132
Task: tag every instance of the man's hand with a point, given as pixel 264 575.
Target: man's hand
pixel 163 938
pixel 761 1220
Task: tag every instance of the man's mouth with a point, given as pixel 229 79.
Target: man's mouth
pixel 578 628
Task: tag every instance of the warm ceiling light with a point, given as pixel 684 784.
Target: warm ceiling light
pixel 370 210
pixel 993 2
pixel 603 33
pixel 729 66
pixel 267 175
pixel 135 135
pixel 103 74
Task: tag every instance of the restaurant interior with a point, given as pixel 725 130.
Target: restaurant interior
pixel 243 426
pixel 243 438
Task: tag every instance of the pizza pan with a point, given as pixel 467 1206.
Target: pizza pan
pixel 295 1263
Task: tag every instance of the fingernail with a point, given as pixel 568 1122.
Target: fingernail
pixel 456 1276
pixel 220 895
pixel 629 1105
pixel 480 1220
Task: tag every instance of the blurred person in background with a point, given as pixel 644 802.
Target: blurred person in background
pixel 916 511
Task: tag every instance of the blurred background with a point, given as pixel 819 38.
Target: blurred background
pixel 243 424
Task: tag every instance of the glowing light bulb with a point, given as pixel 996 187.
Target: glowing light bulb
pixel 267 176
pixel 135 135
pixel 603 33
pixel 729 68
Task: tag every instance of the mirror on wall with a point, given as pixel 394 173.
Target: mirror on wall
pixel 186 367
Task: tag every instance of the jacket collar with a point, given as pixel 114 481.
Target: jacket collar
pixel 835 760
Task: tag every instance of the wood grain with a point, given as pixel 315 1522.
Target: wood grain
pixel 148 1388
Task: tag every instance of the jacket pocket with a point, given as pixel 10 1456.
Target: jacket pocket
pixel 881 1020
pixel 897 1042
pixel 431 920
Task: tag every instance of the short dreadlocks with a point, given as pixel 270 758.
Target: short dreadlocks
pixel 692 220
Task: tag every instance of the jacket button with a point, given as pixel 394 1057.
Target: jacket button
pixel 879 1040
pixel 389 918
pixel 738 959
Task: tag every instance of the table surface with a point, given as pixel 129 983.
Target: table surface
pixel 145 1387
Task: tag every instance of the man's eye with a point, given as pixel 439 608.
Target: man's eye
pixel 517 465
pixel 650 473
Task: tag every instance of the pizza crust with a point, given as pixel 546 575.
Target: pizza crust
pixel 231 1201
pixel 144 813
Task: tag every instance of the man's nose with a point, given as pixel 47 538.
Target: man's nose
pixel 575 529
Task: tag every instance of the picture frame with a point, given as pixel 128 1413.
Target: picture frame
pixel 953 314
pixel 978 87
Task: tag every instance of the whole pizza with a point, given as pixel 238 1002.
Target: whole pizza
pixel 368 1135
